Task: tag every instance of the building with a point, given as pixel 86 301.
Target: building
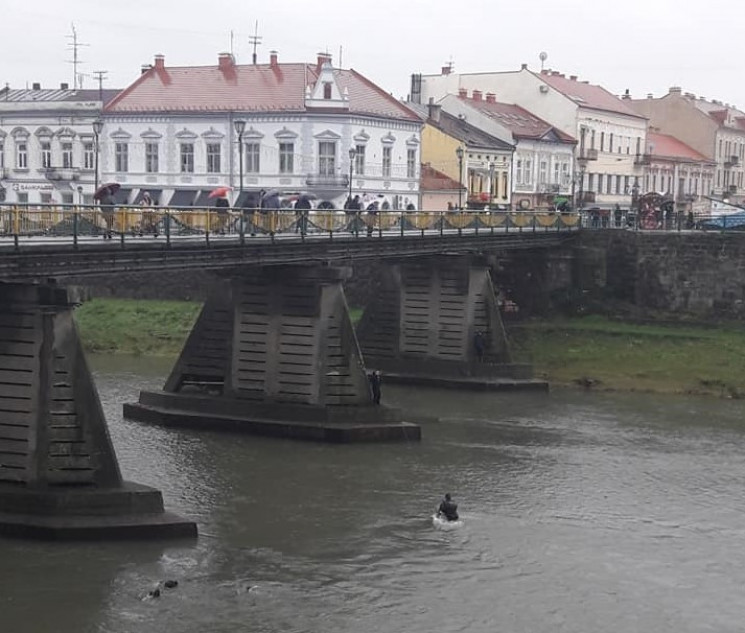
pixel 678 171
pixel 609 132
pixel 465 153
pixel 543 164
pixel 48 144
pixel 712 128
pixel 439 191
pixel 176 132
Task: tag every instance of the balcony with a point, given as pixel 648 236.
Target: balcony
pixel 588 154
pixel 642 159
pixel 62 173
pixel 334 181
pixel 732 161
pixel 732 189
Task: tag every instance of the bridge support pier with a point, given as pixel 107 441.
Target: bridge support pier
pixel 437 322
pixel 274 353
pixel 59 476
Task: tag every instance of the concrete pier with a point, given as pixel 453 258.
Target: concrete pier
pixel 423 324
pixel 59 476
pixel 274 353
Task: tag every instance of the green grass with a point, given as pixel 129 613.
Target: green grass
pixel 127 326
pixel 631 357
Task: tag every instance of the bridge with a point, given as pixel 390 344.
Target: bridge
pixel 274 350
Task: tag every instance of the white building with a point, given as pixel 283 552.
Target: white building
pixel 610 134
pixel 48 145
pixel 173 133
pixel 543 163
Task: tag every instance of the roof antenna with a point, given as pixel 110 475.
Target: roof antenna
pixel 100 76
pixel 77 78
pixel 255 39
pixel 231 42
pixel 543 57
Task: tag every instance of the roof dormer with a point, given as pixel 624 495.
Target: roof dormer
pixel 327 93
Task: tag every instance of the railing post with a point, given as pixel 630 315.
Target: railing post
pixel 442 223
pixel 242 228
pixel 402 223
pixel 168 228
pixel 75 229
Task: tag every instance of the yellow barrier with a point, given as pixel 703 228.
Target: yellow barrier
pixel 493 219
pixel 328 220
pixel 569 220
pixel 378 221
pixel 422 220
pixel 274 221
pixel 521 219
pixel 545 220
pixel 459 219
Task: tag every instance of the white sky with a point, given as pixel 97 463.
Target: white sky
pixel 643 45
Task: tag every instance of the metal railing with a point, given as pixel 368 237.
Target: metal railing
pixel 25 223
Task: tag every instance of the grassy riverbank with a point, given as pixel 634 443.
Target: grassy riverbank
pixel 590 351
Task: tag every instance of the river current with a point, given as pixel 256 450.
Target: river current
pixel 582 512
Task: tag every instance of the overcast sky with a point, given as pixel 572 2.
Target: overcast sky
pixel 643 45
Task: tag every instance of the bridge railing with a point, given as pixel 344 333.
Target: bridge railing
pixel 83 222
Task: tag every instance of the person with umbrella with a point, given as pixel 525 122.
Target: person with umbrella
pixel 222 204
pixel 302 207
pixel 105 196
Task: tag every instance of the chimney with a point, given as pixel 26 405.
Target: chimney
pixel 491 97
pixel 650 95
pixel 160 62
pixel 462 93
pixel 476 96
pixel 627 94
pixel 446 70
pixel 225 61
pixel 675 90
pixel 434 111
pixel 573 77
pixel 64 86
pixel 555 73
pixel 273 59
pixel 35 86
pixel 144 68
pixel 523 67
pixel 322 58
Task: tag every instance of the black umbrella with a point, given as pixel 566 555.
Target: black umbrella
pixel 110 187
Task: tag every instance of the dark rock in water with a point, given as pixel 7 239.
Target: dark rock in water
pixel 155 593
pixel 170 584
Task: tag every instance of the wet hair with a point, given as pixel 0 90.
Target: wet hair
pixel 447 496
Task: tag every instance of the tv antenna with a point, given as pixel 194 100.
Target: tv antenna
pixel 543 57
pixel 74 45
pixel 100 76
pixel 255 40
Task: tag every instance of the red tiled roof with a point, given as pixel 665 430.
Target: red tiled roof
pixel 522 123
pixel 247 88
pixel 666 146
pixel 586 94
pixel 433 180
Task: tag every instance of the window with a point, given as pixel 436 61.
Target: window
pixel 528 173
pixel 253 152
pixel 22 197
pixel 359 160
pixel 411 163
pixel 565 174
pixel 387 162
pixel 286 158
pixel 626 189
pixel 151 158
pixel 67 155
pixel 618 185
pixel 89 156
pixel 542 172
pixel 327 90
pixel 590 182
pixel 22 156
pixel 46 198
pixel 602 141
pixel 46 154
pixel 592 139
pixel 2 155
pixel 519 172
pixel 326 158
pixel 638 145
pixel 600 183
pixel 213 158
pixel 121 157
pixel 556 173
pixel 610 142
pixel 609 184
pixel 187 158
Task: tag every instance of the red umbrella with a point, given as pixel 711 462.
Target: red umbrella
pixel 220 192
pixel 110 187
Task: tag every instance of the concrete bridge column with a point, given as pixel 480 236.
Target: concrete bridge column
pixel 274 352
pixel 422 325
pixel 59 476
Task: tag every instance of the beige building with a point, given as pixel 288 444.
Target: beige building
pixel 712 128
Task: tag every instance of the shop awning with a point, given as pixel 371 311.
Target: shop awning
pixel 203 199
pixel 182 198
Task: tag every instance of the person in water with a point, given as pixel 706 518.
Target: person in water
pixel 448 508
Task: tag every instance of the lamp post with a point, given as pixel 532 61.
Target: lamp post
pixel 459 153
pixel 97 129
pixel 240 128
pixel 635 202
pixel 352 154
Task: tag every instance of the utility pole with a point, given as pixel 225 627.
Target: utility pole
pixel 74 45
pixel 255 40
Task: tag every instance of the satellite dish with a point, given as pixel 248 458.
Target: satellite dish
pixel 543 56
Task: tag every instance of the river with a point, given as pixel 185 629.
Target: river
pixel 583 512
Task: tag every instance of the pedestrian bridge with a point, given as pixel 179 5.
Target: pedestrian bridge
pixel 39 242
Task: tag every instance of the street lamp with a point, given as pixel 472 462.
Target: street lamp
pixel 352 154
pixel 459 153
pixel 97 129
pixel 240 128
pixel 635 201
